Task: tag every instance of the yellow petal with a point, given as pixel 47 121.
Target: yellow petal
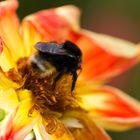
pixel 8 99
pixel 9 28
pixel 23 121
pixel 24 94
pixel 6 83
pixel 6 60
pixel 30 36
pixel 18 124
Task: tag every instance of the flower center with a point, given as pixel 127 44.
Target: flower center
pixel 50 74
pixel 45 96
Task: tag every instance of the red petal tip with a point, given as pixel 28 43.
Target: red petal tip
pixel 8 6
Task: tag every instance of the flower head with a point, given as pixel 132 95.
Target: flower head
pixel 38 98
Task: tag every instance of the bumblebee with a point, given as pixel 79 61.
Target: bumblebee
pixel 65 58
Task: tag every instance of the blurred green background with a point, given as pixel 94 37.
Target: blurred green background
pixel 120 18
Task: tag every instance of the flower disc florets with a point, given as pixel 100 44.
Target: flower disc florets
pixel 45 96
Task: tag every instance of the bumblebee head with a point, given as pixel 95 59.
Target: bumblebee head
pixel 74 52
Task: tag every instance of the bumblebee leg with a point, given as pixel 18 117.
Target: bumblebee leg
pixel 74 80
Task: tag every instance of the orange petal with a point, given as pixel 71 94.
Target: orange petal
pixel 9 28
pixel 110 107
pixel 49 25
pixel 105 56
pixel 89 130
pixel 17 124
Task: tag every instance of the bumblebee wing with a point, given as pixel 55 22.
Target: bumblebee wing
pixel 52 48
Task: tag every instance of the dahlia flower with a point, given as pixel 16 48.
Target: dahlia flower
pixel 29 111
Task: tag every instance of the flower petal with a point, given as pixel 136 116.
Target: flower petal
pixel 71 13
pixel 18 124
pixel 49 25
pixel 71 122
pixel 9 28
pixel 30 136
pixel 110 107
pixel 105 56
pixel 40 132
pixel 8 99
pixel 6 83
pixel 89 130
pixel 30 36
pixel 6 60
pixel 52 129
